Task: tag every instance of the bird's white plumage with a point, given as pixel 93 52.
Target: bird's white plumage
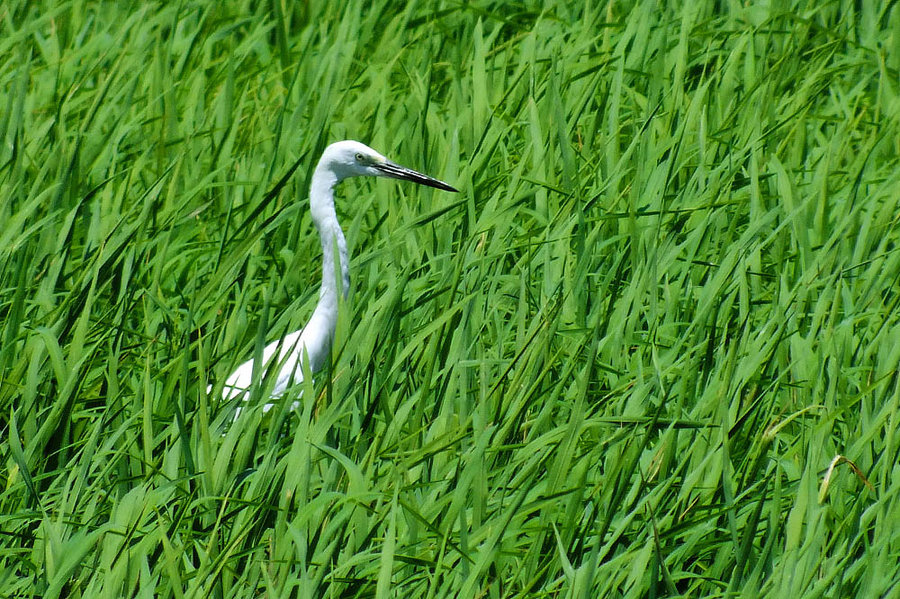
pixel 339 161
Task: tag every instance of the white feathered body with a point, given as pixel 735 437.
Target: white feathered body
pixel 316 337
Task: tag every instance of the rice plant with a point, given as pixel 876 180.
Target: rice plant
pixel 650 350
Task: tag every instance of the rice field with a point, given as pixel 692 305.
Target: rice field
pixel 650 350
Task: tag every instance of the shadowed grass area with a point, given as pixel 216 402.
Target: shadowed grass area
pixel 651 350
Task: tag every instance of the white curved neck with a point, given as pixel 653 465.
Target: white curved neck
pixel 321 199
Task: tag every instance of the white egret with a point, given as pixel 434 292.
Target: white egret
pixel 339 161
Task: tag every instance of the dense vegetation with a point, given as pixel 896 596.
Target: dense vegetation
pixel 651 349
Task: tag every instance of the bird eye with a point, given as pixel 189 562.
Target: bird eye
pixel 360 158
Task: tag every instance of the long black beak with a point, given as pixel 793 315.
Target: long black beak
pixel 395 171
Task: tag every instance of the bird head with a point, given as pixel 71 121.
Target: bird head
pixel 354 159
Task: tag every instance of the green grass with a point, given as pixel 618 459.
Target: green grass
pixel 618 364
